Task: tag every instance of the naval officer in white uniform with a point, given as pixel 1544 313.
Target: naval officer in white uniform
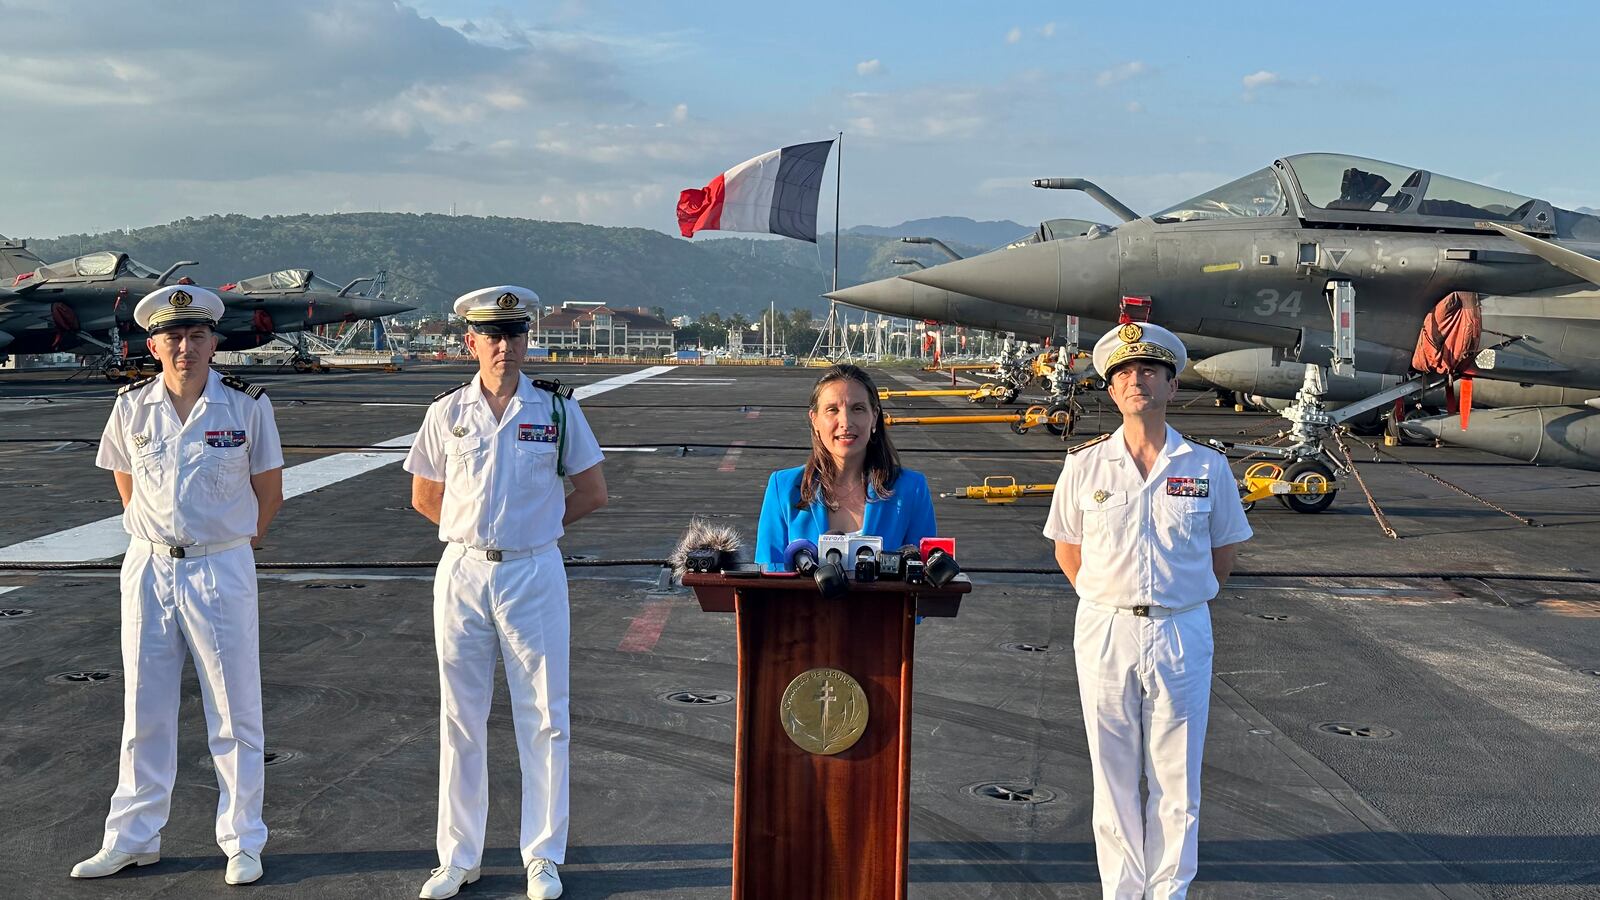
pixel 197 462
pixel 1147 526
pixel 487 466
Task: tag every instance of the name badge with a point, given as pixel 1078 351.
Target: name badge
pixel 1188 487
pixel 544 434
pixel 224 439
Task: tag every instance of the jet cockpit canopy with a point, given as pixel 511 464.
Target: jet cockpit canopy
pixel 1343 189
pixel 286 281
pixel 102 266
pixel 1055 230
pixel 1350 190
pixel 1337 188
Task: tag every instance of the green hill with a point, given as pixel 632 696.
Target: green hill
pixel 431 259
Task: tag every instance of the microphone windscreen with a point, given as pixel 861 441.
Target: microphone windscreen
pixel 704 535
pixel 795 548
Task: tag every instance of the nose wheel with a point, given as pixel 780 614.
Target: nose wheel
pixel 1316 482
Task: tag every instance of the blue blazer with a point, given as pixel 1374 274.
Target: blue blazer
pixel 906 517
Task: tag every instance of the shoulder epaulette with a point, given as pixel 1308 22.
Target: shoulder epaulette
pixel 554 387
pixel 252 391
pixel 1090 443
pixel 1205 442
pixel 448 391
pixel 135 385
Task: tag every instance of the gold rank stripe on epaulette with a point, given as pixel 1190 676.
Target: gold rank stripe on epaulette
pixel 253 391
pixel 443 394
pixel 1090 443
pixel 554 387
pixel 135 385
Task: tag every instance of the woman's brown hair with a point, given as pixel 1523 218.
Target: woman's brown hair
pixel 881 467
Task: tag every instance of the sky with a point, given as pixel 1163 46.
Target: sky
pixel 601 112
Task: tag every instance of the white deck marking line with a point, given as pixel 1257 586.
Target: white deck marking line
pixel 105 538
pixel 8 588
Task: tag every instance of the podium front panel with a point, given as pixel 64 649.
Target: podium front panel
pixel 828 827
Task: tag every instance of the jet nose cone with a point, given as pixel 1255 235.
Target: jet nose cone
pixel 889 296
pixel 368 308
pixel 1075 277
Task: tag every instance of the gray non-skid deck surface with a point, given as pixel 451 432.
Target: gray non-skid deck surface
pixel 1487 788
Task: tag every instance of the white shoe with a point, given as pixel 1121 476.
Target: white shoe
pixel 447 881
pixel 543 882
pixel 110 862
pixel 243 867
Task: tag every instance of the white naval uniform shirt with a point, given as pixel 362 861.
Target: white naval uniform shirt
pixel 191 480
pixel 501 490
pixel 1147 541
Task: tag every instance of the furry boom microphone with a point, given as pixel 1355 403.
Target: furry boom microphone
pixel 705 547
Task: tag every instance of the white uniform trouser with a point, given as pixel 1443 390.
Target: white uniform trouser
pixel 519 608
pixel 1145 684
pixel 206 606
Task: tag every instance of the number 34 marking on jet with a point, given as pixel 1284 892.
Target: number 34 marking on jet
pixel 1273 302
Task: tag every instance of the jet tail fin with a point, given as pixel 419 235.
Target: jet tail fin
pixel 16 259
pixel 1585 267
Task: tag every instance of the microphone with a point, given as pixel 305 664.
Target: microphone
pixel 828 572
pixel 904 564
pixel 705 547
pixel 939 561
pixel 801 556
pixel 866 563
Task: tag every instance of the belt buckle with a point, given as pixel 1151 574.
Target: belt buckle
pixel 493 555
pixel 1141 612
pixel 176 552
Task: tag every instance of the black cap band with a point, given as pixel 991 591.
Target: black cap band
pixel 513 327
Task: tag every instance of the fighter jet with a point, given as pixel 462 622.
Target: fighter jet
pixel 1254 260
pixel 294 300
pixel 85 304
pixel 906 299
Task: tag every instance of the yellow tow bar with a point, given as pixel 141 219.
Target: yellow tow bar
pixel 1001 489
pixel 1301 493
pixel 1032 417
pixel 986 391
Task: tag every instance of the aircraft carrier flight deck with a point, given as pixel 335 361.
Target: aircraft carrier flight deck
pixel 1408 717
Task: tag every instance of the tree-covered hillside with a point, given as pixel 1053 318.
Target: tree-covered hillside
pixel 431 259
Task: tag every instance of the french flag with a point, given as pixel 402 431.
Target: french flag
pixel 775 193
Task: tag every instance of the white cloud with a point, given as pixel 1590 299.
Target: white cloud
pixel 1014 36
pixel 1135 106
pixel 680 113
pixel 1260 79
pixel 1120 73
pixel 939 113
pixel 1047 30
pixel 869 67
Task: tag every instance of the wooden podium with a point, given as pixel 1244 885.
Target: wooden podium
pixel 813 824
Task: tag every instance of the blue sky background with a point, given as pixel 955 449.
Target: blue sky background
pixel 601 112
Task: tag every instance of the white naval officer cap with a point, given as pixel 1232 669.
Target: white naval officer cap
pixel 177 305
pixel 1138 340
pixel 497 310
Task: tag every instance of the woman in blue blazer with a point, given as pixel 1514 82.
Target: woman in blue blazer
pixel 853 482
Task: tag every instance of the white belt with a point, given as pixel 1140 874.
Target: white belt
pixel 1145 612
pixel 193 550
pixel 491 555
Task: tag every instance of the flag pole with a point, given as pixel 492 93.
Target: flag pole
pixel 838 179
pixel 838 228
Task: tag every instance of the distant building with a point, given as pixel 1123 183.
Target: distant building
pixel 434 335
pixel 590 327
